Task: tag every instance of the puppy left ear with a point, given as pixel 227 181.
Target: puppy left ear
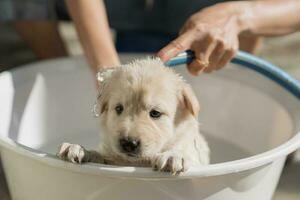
pixel 104 107
pixel 189 100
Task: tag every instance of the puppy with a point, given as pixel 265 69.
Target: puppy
pixel 148 116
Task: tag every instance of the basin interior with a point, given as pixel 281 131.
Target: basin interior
pixel 45 104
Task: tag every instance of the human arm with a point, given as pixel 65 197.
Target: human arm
pixel 93 29
pixel 213 32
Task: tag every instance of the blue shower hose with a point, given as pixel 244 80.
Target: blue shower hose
pixel 247 60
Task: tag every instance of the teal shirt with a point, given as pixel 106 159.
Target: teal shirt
pixel 161 16
pixel 164 16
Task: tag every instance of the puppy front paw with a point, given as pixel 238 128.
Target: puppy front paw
pixel 72 152
pixel 170 162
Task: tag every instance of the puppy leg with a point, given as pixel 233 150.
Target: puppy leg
pixel 77 154
pixel 172 161
pixel 187 149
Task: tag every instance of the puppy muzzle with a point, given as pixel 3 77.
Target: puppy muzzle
pixel 130 146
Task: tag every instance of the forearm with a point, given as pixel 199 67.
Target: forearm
pixel 270 17
pixel 92 27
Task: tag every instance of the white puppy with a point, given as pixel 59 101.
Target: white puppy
pixel 148 116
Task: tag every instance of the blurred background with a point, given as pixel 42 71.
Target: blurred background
pixel 281 51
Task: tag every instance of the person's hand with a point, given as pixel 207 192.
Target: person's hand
pixel 212 34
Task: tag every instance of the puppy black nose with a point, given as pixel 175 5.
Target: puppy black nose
pixel 130 145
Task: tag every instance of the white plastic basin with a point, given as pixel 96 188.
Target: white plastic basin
pixel 249 113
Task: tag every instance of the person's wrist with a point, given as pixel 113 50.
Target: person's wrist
pixel 101 69
pixel 244 16
pixel 240 11
pixel 111 63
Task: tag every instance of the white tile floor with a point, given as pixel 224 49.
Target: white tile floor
pixel 282 51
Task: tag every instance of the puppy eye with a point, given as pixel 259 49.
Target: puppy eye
pixel 119 109
pixel 155 114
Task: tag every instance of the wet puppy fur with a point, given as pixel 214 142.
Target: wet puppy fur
pixel 148 117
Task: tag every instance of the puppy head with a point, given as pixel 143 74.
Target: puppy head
pixel 141 105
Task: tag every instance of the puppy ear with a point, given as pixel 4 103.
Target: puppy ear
pixel 189 100
pixel 104 107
